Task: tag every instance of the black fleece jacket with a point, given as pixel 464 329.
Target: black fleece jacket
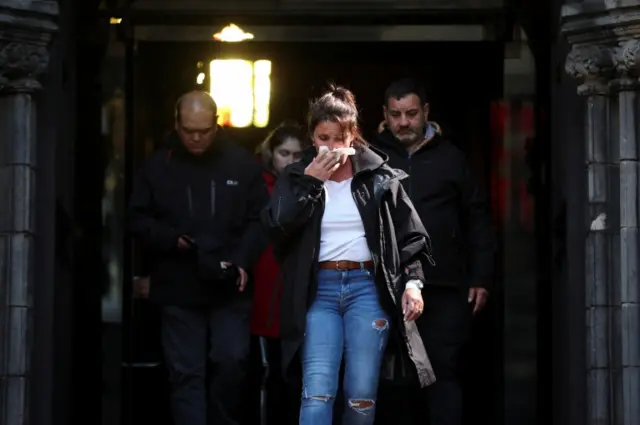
pixel 215 199
pixel 452 208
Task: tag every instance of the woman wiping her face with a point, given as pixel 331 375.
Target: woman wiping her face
pixel 351 248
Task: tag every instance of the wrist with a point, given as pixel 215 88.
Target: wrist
pixel 313 179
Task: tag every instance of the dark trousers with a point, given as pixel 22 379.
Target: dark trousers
pixel 190 337
pixel 444 327
pixel 275 401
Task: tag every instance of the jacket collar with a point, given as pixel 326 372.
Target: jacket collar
pixel 433 138
pixel 219 145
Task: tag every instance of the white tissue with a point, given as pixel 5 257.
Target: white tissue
pixel 348 151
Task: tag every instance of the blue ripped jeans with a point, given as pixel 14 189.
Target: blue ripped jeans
pixel 345 319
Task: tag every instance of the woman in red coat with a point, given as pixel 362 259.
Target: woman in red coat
pixel 279 403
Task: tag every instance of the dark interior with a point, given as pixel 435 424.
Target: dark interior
pixel 462 106
pixel 301 71
pixel 143 81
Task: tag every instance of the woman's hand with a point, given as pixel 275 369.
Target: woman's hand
pixel 412 304
pixel 323 165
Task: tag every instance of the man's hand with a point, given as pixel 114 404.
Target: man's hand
pixel 185 242
pixel 479 295
pixel 242 279
pixel 412 304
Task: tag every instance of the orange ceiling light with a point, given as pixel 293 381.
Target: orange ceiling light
pixel 232 34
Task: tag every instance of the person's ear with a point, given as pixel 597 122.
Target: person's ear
pixel 425 112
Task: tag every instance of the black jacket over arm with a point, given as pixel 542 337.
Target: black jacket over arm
pixel 398 242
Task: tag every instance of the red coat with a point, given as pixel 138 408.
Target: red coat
pixel 266 298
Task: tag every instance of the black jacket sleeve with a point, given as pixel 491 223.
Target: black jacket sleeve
pixel 414 244
pixel 142 224
pixel 253 240
pixel 476 219
pixel 293 201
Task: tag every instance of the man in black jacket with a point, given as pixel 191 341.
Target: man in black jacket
pixel 455 214
pixel 195 206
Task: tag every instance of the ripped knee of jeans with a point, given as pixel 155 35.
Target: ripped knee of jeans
pixel 380 324
pixel 324 398
pixel 361 406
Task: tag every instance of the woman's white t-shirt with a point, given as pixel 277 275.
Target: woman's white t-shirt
pixel 342 234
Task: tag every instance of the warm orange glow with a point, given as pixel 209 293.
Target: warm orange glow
pixel 261 92
pixel 232 34
pixel 242 91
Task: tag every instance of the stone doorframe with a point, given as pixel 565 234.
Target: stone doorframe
pixel 26 30
pixel 605 60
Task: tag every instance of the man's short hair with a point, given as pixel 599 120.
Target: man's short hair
pixel 213 107
pixel 404 87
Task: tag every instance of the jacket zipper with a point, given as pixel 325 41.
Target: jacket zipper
pixel 190 201
pixel 316 250
pixel 278 212
pixel 409 183
pixel 213 198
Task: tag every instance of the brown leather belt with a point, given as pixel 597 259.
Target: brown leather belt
pixel 345 265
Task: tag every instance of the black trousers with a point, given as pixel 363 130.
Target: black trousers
pixel 444 327
pixel 191 338
pixel 274 401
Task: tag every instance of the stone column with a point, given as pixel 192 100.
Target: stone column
pixel 627 62
pixel 26 28
pixel 604 59
pixel 591 65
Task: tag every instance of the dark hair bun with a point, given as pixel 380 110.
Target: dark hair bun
pixel 338 105
pixel 342 94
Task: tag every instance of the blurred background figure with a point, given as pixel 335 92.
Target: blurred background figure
pixel 279 401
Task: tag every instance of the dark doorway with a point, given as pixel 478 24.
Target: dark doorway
pixel 462 79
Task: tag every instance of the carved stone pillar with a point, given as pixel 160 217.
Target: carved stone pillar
pixel 591 66
pixel 26 27
pixel 604 59
pixel 627 86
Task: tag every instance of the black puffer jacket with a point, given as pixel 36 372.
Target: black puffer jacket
pixel 398 242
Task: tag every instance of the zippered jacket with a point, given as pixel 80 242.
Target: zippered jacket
pixel 215 199
pixel 452 207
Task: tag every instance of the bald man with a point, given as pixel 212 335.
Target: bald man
pixel 195 207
